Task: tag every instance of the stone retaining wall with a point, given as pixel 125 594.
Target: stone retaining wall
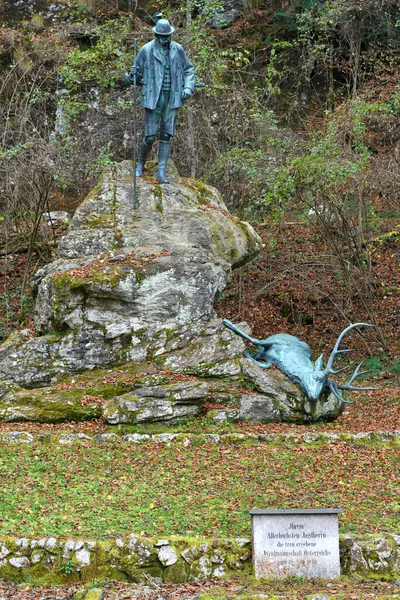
pixel 52 560
pixel 197 439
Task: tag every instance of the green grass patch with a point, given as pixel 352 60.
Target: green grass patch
pixel 112 489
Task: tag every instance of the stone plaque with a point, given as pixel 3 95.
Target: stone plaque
pixel 300 543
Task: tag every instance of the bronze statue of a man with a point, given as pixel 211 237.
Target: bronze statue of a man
pixel 167 78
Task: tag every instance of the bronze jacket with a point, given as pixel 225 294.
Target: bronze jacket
pixel 149 62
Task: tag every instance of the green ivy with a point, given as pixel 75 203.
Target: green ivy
pixel 103 63
pixel 104 158
pixel 9 153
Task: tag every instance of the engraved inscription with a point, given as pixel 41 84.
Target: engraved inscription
pixel 305 545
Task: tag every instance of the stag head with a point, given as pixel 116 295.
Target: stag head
pixel 314 382
pixel 321 374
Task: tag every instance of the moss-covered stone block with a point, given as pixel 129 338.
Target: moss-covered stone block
pixel 47 405
pixel 372 556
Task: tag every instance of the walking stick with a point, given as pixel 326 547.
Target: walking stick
pixel 134 127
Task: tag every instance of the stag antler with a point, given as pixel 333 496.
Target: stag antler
pixel 335 351
pixel 356 374
pixel 335 387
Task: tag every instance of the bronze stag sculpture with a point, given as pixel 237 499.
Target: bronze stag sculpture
pixel 293 357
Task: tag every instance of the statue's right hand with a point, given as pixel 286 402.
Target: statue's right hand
pixel 134 71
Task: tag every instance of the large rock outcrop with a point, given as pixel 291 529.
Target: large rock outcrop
pixel 137 287
pixel 160 265
pixel 126 280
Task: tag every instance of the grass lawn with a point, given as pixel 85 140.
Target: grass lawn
pixel 111 489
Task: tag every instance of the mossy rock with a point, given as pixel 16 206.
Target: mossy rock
pixel 47 406
pixel 92 594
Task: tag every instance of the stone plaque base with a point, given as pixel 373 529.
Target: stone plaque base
pixel 296 543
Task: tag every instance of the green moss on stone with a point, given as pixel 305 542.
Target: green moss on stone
pixel 223 238
pixel 96 191
pixel 177 573
pixel 202 191
pixel 47 411
pixel 157 192
pixel 49 405
pixel 100 275
pixel 16 338
pixel 141 275
pixel 64 404
pixel 53 337
pixel 95 221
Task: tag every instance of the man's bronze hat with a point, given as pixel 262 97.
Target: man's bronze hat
pixel 163 27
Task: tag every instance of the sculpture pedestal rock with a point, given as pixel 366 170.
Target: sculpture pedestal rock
pixel 136 289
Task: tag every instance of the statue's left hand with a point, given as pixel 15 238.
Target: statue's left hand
pixel 186 93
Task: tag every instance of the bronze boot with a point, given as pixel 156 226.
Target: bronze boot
pixel 163 153
pixel 143 154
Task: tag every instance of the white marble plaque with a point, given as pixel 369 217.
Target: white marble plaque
pixel 302 543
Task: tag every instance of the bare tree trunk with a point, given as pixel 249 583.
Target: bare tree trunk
pixel 355 48
pixel 190 116
pixel 42 187
pixel 191 146
pixel 331 82
pixel 132 6
pixel 304 82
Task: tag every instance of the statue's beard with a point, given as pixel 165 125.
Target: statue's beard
pixel 164 41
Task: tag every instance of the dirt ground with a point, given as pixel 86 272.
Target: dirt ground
pixel 212 590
